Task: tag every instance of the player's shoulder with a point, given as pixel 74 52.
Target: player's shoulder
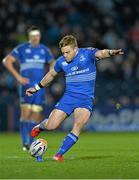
pixel 23 45
pixel 20 47
pixel 43 46
pixel 87 48
pixel 60 59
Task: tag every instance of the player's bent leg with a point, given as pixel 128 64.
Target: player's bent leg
pixel 81 116
pixel 24 125
pixel 55 119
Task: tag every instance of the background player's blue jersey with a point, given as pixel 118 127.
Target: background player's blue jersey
pixel 32 62
pixel 80 73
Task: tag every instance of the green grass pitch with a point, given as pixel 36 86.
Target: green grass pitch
pixel 96 155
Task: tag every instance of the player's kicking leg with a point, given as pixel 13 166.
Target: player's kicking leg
pixel 81 116
pixel 55 119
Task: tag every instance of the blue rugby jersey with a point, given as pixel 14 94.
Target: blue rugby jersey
pixel 80 73
pixel 32 60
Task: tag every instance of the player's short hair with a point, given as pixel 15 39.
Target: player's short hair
pixel 68 40
pixel 33 28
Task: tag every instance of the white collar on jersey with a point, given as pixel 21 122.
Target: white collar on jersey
pixel 76 53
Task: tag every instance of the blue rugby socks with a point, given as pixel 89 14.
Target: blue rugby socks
pixel 24 126
pixel 68 142
pixel 42 125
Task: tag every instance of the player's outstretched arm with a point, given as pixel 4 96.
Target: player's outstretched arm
pixel 47 79
pixel 105 53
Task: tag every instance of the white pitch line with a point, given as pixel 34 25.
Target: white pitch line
pixel 15 157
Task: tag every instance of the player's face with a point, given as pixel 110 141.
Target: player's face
pixel 69 52
pixel 34 39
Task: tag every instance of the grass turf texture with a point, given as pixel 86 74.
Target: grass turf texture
pixel 96 155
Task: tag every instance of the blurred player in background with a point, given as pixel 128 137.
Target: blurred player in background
pixel 79 67
pixel 32 57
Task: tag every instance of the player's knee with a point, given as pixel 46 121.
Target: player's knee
pixel 37 117
pixel 25 113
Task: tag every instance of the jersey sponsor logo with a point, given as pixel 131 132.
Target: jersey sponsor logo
pixel 78 72
pixel 36 60
pixel 36 56
pixel 28 50
pixel 82 71
pixel 74 68
pixel 31 65
pixel 64 63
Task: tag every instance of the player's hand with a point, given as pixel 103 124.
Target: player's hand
pixel 23 80
pixel 30 91
pixel 116 52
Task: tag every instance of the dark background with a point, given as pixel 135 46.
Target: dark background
pixel 103 24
